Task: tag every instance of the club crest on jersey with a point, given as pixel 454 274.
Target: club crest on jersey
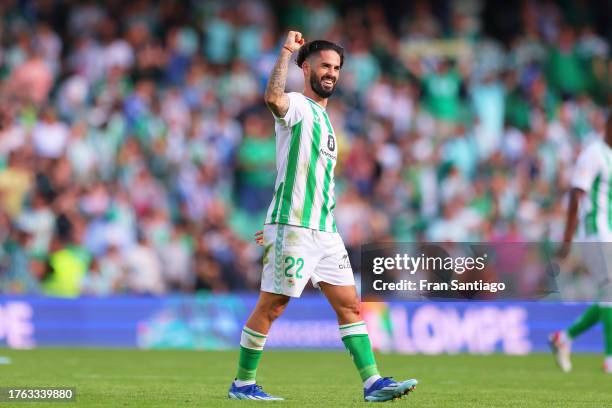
pixel 331 143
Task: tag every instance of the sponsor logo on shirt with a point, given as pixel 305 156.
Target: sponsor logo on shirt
pixel 345 263
pixel 327 154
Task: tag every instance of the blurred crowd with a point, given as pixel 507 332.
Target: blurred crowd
pixel 136 154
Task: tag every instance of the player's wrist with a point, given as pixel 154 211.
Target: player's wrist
pixel 285 48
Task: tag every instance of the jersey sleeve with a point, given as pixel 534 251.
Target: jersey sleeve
pixel 296 110
pixel 587 167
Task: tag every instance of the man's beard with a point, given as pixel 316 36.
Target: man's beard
pixel 315 84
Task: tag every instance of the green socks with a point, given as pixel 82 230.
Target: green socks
pixel 356 340
pixel 251 349
pixel 590 317
pixel 605 313
pixel 587 320
pixel 354 336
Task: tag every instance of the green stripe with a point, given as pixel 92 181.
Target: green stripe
pixel 331 132
pixel 252 333
pixel 328 123
pixel 292 162
pixel 326 181
pixel 331 209
pixel 311 180
pixel 592 216
pixel 346 326
pixel 277 200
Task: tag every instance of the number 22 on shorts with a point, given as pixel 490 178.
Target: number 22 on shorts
pixel 293 263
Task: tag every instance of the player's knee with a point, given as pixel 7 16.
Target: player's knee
pixel 276 310
pixel 350 310
pixel 355 309
pixel 272 310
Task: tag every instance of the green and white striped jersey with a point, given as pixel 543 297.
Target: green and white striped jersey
pixel 306 153
pixel 593 175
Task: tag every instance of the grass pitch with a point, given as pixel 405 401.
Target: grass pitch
pixel 131 378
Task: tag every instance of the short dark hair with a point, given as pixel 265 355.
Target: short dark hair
pixel 316 46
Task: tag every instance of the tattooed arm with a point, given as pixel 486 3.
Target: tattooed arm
pixel 275 96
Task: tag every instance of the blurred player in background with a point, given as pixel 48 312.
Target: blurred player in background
pixel 300 238
pixel 591 197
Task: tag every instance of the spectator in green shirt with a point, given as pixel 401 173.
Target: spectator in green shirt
pixel 566 70
pixel 442 92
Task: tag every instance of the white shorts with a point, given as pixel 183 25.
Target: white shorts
pixel 293 255
pixel 597 257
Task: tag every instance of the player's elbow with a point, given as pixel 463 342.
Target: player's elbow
pixel 272 99
pixel 275 108
pixel 271 105
pixel 277 103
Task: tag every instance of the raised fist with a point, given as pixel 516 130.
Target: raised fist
pixel 294 41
